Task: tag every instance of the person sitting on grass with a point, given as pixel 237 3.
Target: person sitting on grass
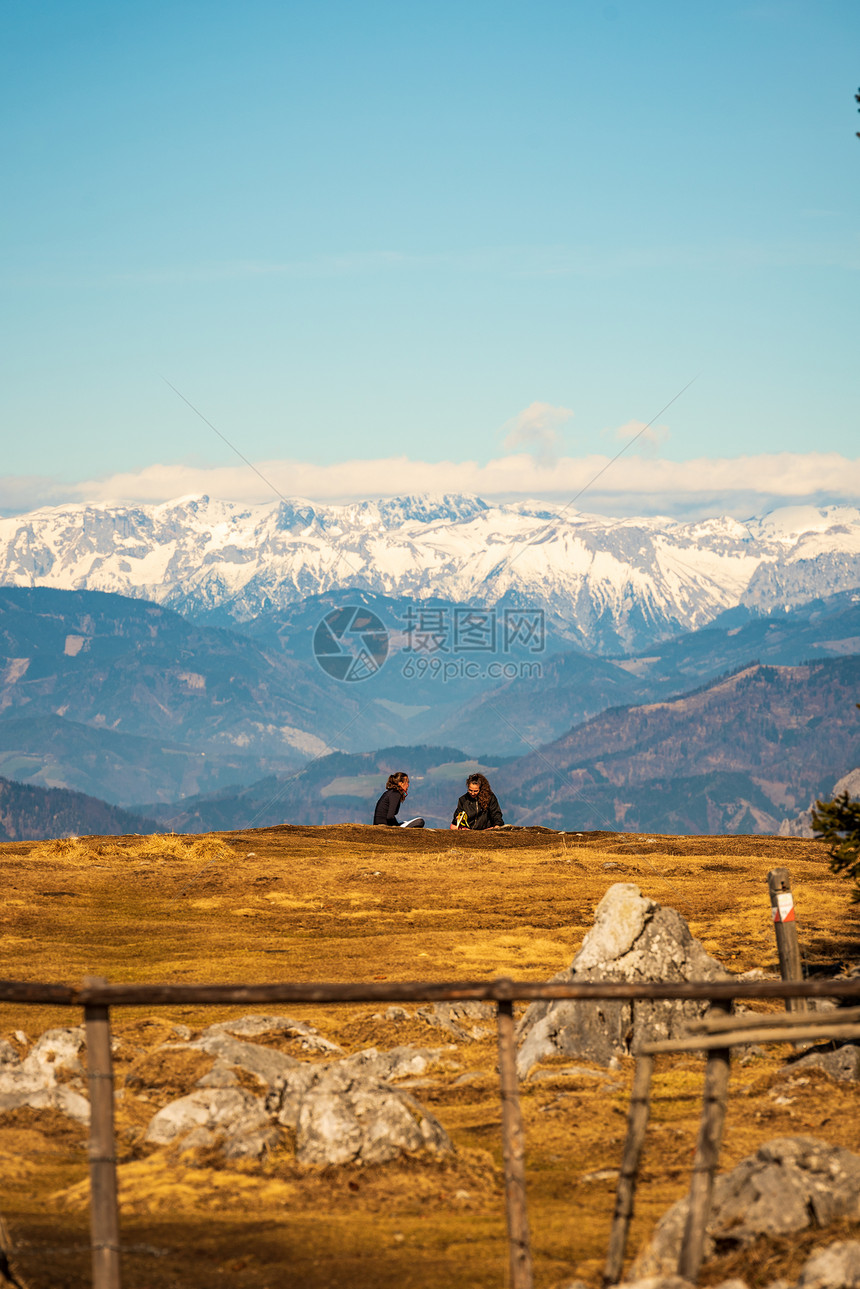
pixel 478 807
pixel 391 800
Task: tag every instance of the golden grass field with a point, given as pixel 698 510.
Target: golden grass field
pixel 354 903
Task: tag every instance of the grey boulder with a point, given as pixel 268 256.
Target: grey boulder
pixel 340 1116
pixel 309 1039
pixel 397 1063
pixel 229 1117
pixel 465 1021
pixel 633 939
pixel 265 1063
pixel 841 1063
pixel 836 1267
pixel 786 1186
pixel 33 1081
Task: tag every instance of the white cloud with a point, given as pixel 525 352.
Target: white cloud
pixel 631 485
pixel 642 437
pixel 536 430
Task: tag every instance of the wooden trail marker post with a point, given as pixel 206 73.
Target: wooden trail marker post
pixel 513 1147
pixel 785 926
pixel 104 1214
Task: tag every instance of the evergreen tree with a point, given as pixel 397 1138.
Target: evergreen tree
pixel 838 823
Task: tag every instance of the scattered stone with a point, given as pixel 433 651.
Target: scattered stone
pixel 634 939
pixel 341 1111
pixel 841 1063
pixel 267 1064
pixel 461 1020
pixel 837 1267
pixel 602 1175
pixel 33 1081
pixel 340 1116
pixel 230 1117
pixel 310 1039
pixel 8 1054
pixel 399 1063
pixel 396 1013
pixel 789 1184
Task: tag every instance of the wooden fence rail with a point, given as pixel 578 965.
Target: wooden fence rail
pixel 501 989
pixel 95 997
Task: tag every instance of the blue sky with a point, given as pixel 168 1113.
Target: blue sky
pixel 387 233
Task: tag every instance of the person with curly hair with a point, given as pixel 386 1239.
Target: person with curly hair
pixel 391 800
pixel 478 807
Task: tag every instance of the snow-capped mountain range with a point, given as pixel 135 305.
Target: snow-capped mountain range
pixel 614 583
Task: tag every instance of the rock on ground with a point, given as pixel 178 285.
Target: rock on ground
pixel 340 1117
pixel 787 1185
pixel 633 939
pixel 398 1063
pixel 229 1116
pixel 462 1020
pixel 340 1111
pixel 309 1039
pixel 33 1081
pixel 842 1063
pixel 837 1267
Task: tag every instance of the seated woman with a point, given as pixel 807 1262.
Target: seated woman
pixel 391 800
pixel 478 806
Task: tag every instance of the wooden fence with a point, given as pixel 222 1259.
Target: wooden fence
pixel 96 997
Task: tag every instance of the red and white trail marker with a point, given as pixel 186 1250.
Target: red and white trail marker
pixel 783 910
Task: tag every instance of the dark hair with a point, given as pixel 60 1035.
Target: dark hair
pixel 395 780
pixel 485 791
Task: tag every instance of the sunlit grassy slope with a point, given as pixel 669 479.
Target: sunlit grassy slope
pixel 352 903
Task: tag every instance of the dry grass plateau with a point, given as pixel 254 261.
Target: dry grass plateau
pixel 357 903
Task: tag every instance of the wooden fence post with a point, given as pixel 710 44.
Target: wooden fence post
pixel 513 1146
pixel 104 1216
pixel 706 1159
pixel 785 925
pixel 637 1122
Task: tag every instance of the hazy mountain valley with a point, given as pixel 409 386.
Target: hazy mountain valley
pixel 209 717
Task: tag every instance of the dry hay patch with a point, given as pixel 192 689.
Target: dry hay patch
pixel 163 1184
pixel 164 1074
pixel 197 1183
pixel 82 852
pixel 775 1258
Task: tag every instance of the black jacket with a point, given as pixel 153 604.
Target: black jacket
pixel 387 806
pixel 476 817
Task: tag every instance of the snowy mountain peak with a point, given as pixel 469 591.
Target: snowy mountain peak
pixel 790 524
pixel 611 583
